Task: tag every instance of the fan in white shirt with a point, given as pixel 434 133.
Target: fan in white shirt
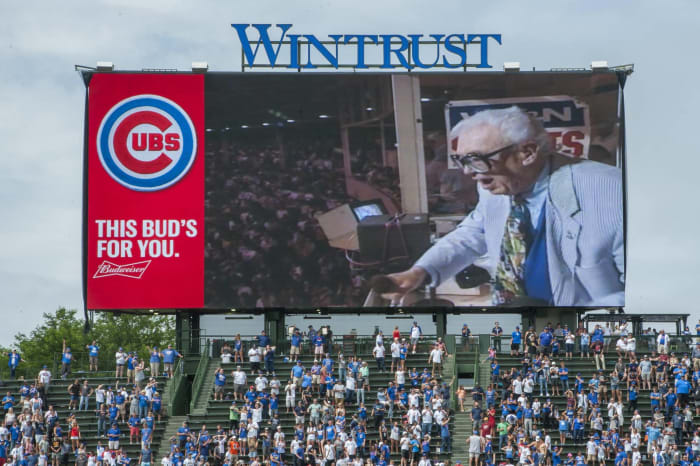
pixel 413 416
pixel 427 415
pixel 396 349
pixel 518 387
pixel 275 386
pixel 45 377
pixel 261 383
pixel 254 355
pixel 400 377
pixel 350 447
pixel 329 453
pixel 379 351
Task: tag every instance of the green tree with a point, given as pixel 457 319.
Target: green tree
pixel 132 333
pixel 44 344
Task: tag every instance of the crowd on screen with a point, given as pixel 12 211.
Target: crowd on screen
pixel 386 179
pixel 336 411
pixel 542 411
pixel 264 246
pixel 38 429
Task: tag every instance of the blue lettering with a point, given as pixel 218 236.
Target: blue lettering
pixel 415 49
pixel 293 50
pixel 361 46
pixel 483 39
pixel 388 50
pixel 264 39
pixel 459 51
pixel 405 49
pixel 312 40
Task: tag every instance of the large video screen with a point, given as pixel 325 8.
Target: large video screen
pixel 251 190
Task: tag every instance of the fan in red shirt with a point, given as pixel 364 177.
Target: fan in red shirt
pixel 485 428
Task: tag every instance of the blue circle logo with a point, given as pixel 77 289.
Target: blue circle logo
pixel 146 143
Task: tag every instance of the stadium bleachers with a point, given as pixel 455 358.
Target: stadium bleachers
pixel 214 412
pixel 204 409
pixel 586 368
pixel 59 398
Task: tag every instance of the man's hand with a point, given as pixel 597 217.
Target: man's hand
pixel 400 283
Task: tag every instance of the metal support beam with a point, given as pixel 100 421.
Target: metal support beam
pixel 409 135
pixel 382 141
pixel 187 332
pixel 347 166
pixel 179 340
pixel 440 319
pixel 275 326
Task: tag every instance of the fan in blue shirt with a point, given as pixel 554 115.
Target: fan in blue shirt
pixel 517 336
pixel 8 401
pixel 263 339
pixel 14 360
pixel 545 339
pixel 621 458
pixel 113 433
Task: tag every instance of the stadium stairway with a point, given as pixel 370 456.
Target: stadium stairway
pixel 202 397
pixel 462 431
pixel 484 372
pixel 174 423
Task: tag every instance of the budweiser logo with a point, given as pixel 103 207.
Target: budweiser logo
pixel 108 269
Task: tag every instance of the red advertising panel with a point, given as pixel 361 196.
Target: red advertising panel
pixel 145 215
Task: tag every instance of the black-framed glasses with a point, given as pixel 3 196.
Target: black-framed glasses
pixel 477 162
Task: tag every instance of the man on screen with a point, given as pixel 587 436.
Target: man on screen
pixel 551 226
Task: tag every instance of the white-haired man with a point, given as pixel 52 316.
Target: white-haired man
pixel 551 226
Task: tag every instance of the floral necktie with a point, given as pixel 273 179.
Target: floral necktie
pixel 509 282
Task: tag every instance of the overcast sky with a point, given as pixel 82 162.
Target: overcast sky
pixel 41 112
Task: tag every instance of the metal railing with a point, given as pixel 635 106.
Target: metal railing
pixel 476 366
pixel 451 368
pixel 23 372
pixel 80 364
pixel 644 343
pixel 199 376
pixel 174 385
pixel 361 344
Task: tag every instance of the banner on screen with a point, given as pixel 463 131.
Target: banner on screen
pixel 565 119
pixel 217 191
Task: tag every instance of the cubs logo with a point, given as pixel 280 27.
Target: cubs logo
pixel 146 143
